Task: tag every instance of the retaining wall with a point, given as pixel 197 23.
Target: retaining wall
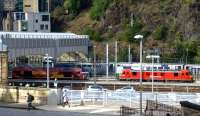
pixel 10 94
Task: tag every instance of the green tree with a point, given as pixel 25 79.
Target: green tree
pixel 131 31
pixel 75 6
pixel 58 11
pixel 191 49
pixel 93 35
pixel 160 33
pixel 57 21
pixel 98 8
pixel 197 57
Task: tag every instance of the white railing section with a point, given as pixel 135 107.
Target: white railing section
pixel 84 97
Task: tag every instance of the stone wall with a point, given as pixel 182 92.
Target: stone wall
pixel 11 94
pixel 3 67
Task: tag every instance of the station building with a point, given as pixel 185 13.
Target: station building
pixel 16 44
pixel 53 44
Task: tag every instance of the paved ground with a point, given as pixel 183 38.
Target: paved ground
pixel 24 112
pixel 55 110
pixel 91 110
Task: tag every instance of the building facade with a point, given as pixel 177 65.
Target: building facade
pixel 25 15
pixel 30 6
pixel 55 44
pixel 8 5
pixel 35 5
pixel 3 64
pixel 31 22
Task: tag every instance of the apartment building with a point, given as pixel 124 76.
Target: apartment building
pixel 25 15
pixel 31 22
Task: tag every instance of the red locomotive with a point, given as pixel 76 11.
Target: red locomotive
pixel 161 75
pixel 41 73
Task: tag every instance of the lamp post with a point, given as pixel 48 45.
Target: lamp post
pixel 116 57
pixel 107 64
pixel 152 76
pixel 47 70
pixel 94 64
pixel 129 53
pixel 140 37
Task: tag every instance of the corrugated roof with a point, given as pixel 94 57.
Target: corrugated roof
pixel 30 35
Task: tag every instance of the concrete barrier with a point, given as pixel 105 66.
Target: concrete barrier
pixel 54 97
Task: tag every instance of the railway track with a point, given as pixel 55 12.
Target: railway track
pixel 112 84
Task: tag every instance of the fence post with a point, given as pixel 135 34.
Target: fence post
pixel 106 98
pixel 82 97
pixel 93 98
pixel 71 97
pixel 130 99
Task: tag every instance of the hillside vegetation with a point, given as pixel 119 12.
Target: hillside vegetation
pixel 171 26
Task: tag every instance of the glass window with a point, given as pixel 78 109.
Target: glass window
pixel 175 74
pixel 42 27
pixel 45 17
pixel 134 73
pixel 20 16
pixel 127 67
pixel 46 27
pixel 27 5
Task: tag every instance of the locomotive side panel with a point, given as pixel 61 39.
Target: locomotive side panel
pixel 22 73
pixel 182 75
pixel 41 73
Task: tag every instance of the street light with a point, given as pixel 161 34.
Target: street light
pixel 94 68
pixel 140 37
pixel 47 56
pixel 152 76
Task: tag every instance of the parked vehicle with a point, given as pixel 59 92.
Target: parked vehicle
pixel 95 88
pixel 126 89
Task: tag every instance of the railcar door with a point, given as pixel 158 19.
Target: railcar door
pixel 133 75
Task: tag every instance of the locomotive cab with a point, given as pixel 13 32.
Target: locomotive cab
pixel 186 75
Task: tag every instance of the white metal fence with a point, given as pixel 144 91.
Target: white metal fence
pixel 131 99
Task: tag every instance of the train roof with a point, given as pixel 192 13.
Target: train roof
pixel 156 70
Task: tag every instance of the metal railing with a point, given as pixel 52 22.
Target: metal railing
pixel 130 99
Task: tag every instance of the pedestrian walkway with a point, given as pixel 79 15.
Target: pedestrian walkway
pixel 91 109
pixel 16 105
